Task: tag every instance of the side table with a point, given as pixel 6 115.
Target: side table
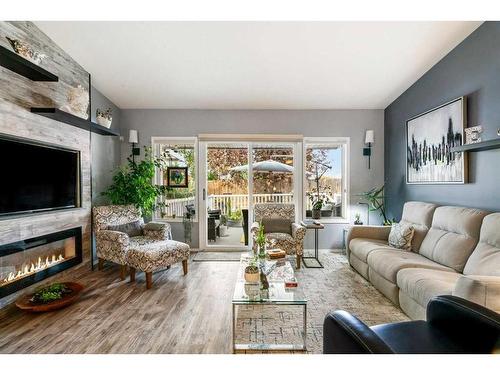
pixel 316 225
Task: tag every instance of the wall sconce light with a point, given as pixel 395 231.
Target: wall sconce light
pixel 367 151
pixel 133 139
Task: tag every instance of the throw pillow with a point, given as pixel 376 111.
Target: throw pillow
pixel 132 229
pixel 401 236
pixel 277 225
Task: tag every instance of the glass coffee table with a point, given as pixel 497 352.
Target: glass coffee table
pixel 246 294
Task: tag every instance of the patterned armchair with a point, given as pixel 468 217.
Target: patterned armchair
pixel 279 227
pixel 148 249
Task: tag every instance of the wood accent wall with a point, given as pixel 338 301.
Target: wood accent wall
pixel 17 95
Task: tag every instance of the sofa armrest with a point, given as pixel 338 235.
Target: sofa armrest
pixel 298 232
pixel 483 290
pixel 158 231
pixel 113 236
pixel 254 228
pixel 374 232
pixel 343 333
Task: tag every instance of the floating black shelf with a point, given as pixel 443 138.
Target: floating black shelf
pixel 481 146
pixel 26 68
pixel 67 118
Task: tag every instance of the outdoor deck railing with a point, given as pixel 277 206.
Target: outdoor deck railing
pixel 224 202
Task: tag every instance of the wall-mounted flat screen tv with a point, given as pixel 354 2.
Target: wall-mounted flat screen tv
pixel 37 177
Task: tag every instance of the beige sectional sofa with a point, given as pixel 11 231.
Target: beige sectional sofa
pixel 455 250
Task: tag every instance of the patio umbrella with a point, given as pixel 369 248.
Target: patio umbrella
pixel 270 166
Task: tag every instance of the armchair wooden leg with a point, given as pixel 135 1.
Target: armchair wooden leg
pixel 100 264
pixel 132 274
pixel 149 280
pixel 185 266
pixel 123 271
pixel 299 259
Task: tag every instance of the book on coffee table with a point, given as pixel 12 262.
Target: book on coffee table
pixel 276 253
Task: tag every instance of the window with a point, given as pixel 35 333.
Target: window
pixel 177 152
pixel 326 178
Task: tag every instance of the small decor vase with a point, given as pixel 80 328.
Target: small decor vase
pixel 262 252
pixel 103 121
pixel 316 214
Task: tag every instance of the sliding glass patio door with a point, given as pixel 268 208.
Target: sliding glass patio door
pixel 234 176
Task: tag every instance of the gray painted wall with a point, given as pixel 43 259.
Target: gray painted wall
pixel 471 69
pixel 105 150
pixel 312 123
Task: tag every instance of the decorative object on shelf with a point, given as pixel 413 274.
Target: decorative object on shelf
pixel 104 118
pixel 473 134
pixel 367 151
pixel 430 138
pixel 367 212
pixel 498 132
pixel 252 274
pixel 51 297
pixel 133 184
pixel 357 220
pixel 133 139
pixel 177 177
pixel 78 102
pixel 375 198
pixel 26 51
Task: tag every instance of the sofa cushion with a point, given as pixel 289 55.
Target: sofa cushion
pixel 133 228
pixel 401 236
pixel 423 284
pixel 277 225
pixel 387 263
pixel 485 259
pixel 419 215
pixel 453 236
pixel 361 247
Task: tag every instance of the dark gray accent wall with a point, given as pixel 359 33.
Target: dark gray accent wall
pixel 472 69
pixel 105 149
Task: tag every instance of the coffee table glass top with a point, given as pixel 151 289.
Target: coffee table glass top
pixel 248 293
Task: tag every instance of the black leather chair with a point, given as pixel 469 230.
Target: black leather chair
pixel 454 325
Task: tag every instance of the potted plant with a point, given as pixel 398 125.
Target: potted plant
pixel 316 208
pixel 252 271
pixel 375 199
pixel 357 220
pixel 260 240
pixel 133 184
pixel 104 118
pixel 223 226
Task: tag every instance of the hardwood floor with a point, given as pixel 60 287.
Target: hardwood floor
pixel 181 314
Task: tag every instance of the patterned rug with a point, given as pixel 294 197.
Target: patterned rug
pixel 335 287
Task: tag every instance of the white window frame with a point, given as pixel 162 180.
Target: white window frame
pixel 339 141
pixel 180 140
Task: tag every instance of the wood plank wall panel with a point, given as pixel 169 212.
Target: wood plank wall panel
pixel 17 95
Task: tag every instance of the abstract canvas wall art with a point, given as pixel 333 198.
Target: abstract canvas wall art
pixel 429 139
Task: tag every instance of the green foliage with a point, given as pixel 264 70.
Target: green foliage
pixel 235 215
pixel 260 239
pixel 133 184
pixel 50 293
pixel 223 220
pixel 375 198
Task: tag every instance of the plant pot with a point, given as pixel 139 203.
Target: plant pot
pixel 252 277
pixel 223 230
pixel 103 121
pixel 316 214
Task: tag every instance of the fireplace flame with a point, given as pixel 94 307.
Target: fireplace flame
pixel 29 269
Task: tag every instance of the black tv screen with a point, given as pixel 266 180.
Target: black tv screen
pixel 37 177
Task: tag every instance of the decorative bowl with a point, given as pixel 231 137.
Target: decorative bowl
pixel 25 303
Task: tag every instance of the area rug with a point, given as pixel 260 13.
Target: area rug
pixel 218 256
pixel 335 287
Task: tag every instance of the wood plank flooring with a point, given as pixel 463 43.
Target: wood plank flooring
pixel 180 314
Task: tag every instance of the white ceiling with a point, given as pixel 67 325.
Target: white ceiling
pixel 256 65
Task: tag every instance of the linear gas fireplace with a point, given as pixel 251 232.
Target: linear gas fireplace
pixel 29 261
